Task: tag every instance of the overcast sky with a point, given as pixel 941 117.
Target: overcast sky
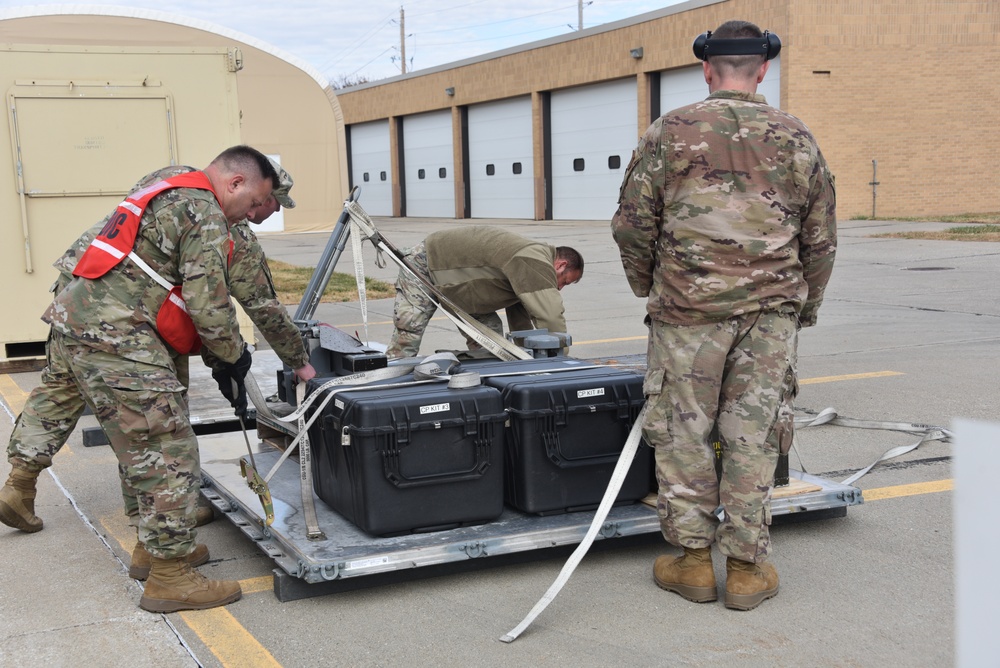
pixel 361 38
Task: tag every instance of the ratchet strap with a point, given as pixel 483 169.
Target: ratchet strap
pixel 617 478
pixel 362 227
pixel 260 488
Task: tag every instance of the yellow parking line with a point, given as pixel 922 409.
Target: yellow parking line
pixel 114 525
pixel 12 395
pixel 257 585
pixel 912 489
pixel 226 638
pixel 222 634
pixel 626 338
pixel 850 376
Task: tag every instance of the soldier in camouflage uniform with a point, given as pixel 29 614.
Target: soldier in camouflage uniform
pixel 726 223
pixel 483 269
pixel 55 406
pixel 106 337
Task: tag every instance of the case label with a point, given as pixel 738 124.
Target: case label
pixel 339 404
pixel 435 408
pixel 596 392
pixel 366 563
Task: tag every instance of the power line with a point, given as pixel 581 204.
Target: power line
pixel 371 61
pixel 359 42
pixel 497 38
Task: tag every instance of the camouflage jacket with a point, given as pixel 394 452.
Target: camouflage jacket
pixel 184 236
pixel 727 208
pixel 249 283
pixel 484 269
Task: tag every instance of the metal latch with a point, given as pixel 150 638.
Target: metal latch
pixel 234 59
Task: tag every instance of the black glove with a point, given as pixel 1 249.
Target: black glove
pixel 230 379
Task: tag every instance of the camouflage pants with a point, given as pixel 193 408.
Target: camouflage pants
pixel 735 380
pixel 50 415
pixel 413 309
pixel 143 410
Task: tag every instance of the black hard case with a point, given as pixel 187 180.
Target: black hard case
pixel 566 432
pixel 410 459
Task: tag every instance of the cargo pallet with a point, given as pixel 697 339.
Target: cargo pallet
pixel 348 558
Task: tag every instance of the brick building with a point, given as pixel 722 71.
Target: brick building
pixel 907 83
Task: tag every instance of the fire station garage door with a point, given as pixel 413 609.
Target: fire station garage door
pixel 371 166
pixel 429 161
pixel 500 159
pixel 687 85
pixel 593 134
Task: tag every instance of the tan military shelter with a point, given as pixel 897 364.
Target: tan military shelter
pixel 286 106
pixel 96 100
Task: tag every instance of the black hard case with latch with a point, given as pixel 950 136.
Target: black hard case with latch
pixel 566 432
pixel 410 459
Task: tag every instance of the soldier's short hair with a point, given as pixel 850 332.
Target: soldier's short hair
pixel 744 66
pixel 249 161
pixel 574 261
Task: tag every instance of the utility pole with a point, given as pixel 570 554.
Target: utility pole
pixel 402 38
pixel 874 183
pixel 579 14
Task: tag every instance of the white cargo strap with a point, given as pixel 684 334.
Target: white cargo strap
pixel 359 274
pixel 927 432
pixel 313 531
pixel 617 478
pixel 362 226
pixel 342 383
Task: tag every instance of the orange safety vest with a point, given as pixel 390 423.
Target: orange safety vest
pixel 116 241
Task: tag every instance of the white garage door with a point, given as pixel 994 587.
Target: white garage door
pixel 429 162
pixel 679 88
pixel 501 175
pixel 593 134
pixel 371 166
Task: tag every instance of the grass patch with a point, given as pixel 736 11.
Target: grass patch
pixel 980 232
pixel 290 283
pixel 962 218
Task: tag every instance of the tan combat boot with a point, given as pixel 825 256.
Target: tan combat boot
pixel 690 575
pixel 17 500
pixel 142 560
pixel 203 513
pixel 173 585
pixel 748 584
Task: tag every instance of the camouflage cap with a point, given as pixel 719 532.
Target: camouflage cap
pixel 285 184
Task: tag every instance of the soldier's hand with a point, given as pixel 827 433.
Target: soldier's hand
pixel 230 378
pixel 305 373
